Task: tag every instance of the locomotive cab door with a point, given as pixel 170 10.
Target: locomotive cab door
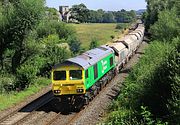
pixel 87 78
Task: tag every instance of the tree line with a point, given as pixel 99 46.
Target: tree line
pixel 84 15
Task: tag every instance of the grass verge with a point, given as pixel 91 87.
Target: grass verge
pixel 8 100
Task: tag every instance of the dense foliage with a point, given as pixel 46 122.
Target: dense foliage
pixel 83 14
pixel 156 6
pixel 32 40
pixel 150 85
pixel 150 94
pixel 167 26
pixel 93 44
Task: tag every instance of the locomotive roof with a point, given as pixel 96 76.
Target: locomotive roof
pixel 88 58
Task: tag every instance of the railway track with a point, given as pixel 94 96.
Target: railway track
pixel 65 119
pixel 20 114
pixel 71 118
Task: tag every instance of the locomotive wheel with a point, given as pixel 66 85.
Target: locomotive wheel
pixel 78 104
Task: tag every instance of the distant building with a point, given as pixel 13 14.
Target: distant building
pixel 65 13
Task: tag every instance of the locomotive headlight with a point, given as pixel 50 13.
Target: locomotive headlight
pixel 57 91
pixel 79 90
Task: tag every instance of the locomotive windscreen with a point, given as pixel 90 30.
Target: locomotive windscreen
pixel 75 74
pixel 59 75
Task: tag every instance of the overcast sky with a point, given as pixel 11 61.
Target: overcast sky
pixel 101 4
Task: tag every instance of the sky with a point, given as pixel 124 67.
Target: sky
pixel 111 5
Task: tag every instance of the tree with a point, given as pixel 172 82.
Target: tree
pixel 155 6
pixel 19 18
pixel 80 13
pixel 154 15
pixel 125 16
pixel 93 17
pixel 108 17
pixel 167 26
pixel 26 16
pixel 100 14
pixel 52 14
pixel 93 44
pixel 75 44
pixel 47 27
pixel 6 13
pixel 96 16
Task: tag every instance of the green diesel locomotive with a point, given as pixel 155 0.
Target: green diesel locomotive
pixel 83 76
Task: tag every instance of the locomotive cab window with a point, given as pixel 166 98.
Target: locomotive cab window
pixel 111 61
pixel 59 75
pixel 95 71
pixel 75 74
pixel 87 73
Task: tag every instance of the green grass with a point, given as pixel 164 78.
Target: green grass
pixel 101 32
pixel 8 100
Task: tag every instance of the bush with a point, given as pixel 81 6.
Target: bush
pixel 120 26
pixel 167 26
pixel 112 36
pixel 41 81
pixel 54 52
pixel 26 75
pixel 75 44
pixel 93 44
pixel 7 82
pixel 121 117
pixel 27 72
pixel 49 27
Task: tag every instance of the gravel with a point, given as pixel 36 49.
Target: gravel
pixel 20 105
pixel 17 115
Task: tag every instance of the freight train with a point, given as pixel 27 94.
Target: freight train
pixel 78 80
